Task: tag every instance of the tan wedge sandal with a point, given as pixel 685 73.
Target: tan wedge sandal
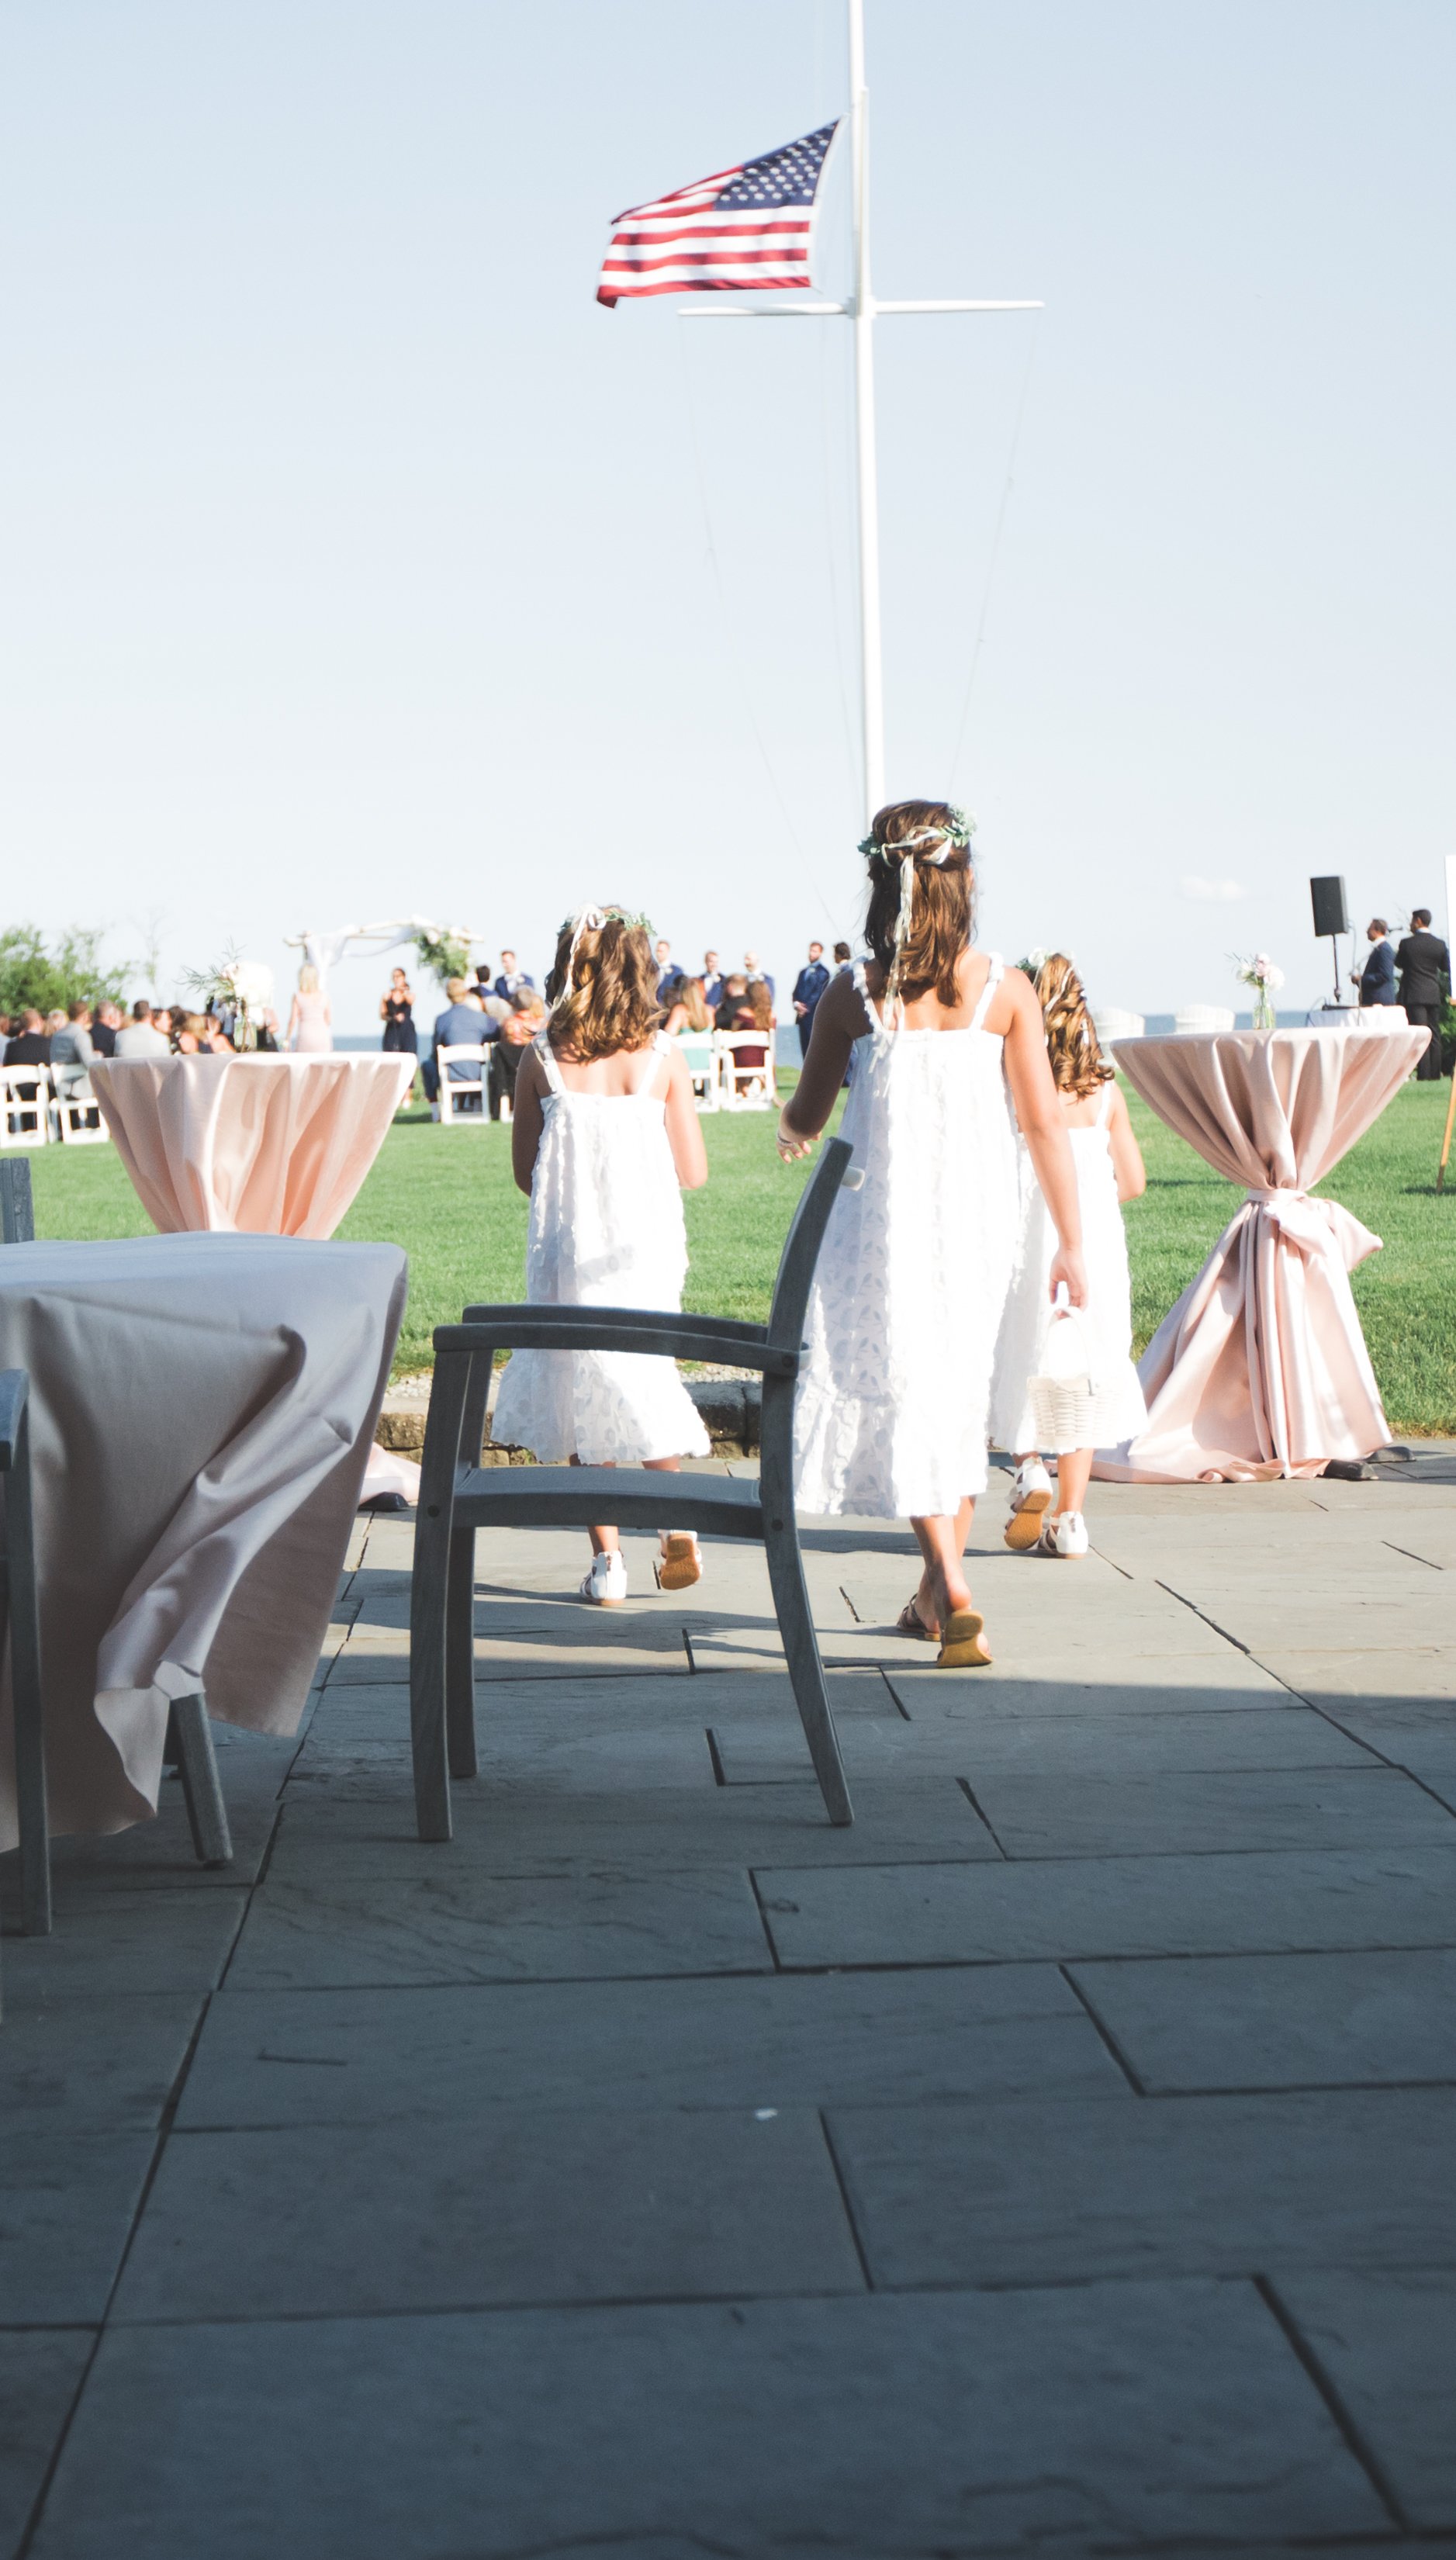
pixel 962 1641
pixel 680 1565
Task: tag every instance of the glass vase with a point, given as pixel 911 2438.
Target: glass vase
pixel 1263 1010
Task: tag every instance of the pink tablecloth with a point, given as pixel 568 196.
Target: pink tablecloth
pixel 202 1408
pixel 257 1146
pixel 1261 1368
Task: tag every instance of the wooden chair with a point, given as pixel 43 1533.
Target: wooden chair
pixel 457 1496
pixel 452 1090
pixel 25 1106
pixel 78 1118
pixel 702 1062
pixel 189 1744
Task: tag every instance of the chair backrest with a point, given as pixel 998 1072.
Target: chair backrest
pixel 801 1245
pixel 453 1087
pixel 25 1106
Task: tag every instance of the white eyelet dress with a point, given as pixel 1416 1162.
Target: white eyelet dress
pixel 906 1303
pixel 606 1230
pixel 1106 1319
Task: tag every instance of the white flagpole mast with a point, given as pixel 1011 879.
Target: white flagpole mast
pixel 863 309
pixel 872 662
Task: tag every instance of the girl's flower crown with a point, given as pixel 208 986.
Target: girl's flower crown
pixel 936 843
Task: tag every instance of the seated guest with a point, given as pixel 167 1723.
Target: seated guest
pixel 105 1024
pixel 752 971
pixel 72 1053
pixel 735 994
pixel 462 1024
pixel 510 979
pixel 755 1012
pixel 518 1031
pixel 213 1037
pixel 1377 979
pixel 55 1020
pixel 29 1044
pixel 140 1038
pixel 689 1009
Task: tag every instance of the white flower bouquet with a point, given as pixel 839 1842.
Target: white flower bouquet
pixel 1259 972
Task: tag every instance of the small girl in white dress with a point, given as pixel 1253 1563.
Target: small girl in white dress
pixel 891 1410
pixel 604 1138
pixel 1109 1171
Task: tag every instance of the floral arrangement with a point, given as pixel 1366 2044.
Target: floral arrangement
pixel 444 950
pixel 241 988
pixel 1259 972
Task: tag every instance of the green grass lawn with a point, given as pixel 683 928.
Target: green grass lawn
pixel 447 1196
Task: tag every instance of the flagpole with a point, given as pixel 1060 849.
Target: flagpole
pixel 872 675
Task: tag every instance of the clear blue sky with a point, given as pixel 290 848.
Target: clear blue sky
pixel 356 561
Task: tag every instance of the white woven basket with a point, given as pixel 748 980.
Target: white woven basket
pixel 1070 1406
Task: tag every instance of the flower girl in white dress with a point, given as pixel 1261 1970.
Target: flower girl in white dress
pixel 892 1414
pixel 1109 1171
pixel 604 1136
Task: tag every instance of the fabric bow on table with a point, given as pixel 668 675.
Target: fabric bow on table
pixel 1261 1368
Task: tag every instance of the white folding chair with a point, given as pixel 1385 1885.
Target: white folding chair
pixel 453 1089
pixel 25 1106
pixel 77 1117
pixel 748 1087
pixel 701 1060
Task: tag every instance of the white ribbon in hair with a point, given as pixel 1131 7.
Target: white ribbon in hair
pixel 908 846
pixel 587 919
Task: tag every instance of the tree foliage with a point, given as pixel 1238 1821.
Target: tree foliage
pixel 61 972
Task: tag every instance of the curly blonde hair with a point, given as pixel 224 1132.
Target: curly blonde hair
pixel 603 998
pixel 1077 1063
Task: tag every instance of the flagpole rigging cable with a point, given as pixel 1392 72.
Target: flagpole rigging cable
pixel 863 310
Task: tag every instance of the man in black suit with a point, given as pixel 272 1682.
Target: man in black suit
pixel 32 1046
pixel 1424 960
pixel 1377 979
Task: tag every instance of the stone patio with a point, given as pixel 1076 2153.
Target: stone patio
pixel 1061 2160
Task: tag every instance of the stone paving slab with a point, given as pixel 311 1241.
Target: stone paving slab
pixel 1125 2416
pixel 1281 2022
pixel 68 2201
pixel 451 2213
pixel 1387 2343
pixel 1085 1681
pixel 1188 1812
pixel 1032 1912
pixel 362 2057
pixel 109 1943
pixel 78 2058
pixel 1395 1672
pixel 40 2370
pixel 526 1831
pixel 1062 1746
pixel 442 1919
pixel 1020 2194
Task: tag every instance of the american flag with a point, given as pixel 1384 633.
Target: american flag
pixel 748 229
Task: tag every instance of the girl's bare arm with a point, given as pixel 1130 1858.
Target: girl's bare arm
pixel 1038 1117
pixel 684 1128
pixel 525 1122
pixel 1127 1154
pixel 838 1020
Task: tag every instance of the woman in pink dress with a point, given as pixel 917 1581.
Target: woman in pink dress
pixel 310 1024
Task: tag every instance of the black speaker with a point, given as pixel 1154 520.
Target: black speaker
pixel 1326 896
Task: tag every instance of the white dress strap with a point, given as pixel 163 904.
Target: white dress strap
pixel 1104 1105
pixel 547 1056
pixel 861 989
pixel 660 1046
pixel 994 975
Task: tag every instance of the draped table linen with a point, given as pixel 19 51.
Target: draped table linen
pixel 252 1145
pixel 1260 1369
pixel 202 1409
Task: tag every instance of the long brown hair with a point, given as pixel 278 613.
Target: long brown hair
pixel 1077 1063
pixel 694 1002
pixel 603 998
pixel 760 1004
pixel 942 918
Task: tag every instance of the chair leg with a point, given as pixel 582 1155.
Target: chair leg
pixel 806 1671
pixel 205 1810
pixel 460 1656
pixel 427 1600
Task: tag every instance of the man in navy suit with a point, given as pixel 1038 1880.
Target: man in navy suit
pixel 667 975
pixel 809 986
pixel 711 981
pixel 1377 979
pixel 1423 961
pixel 510 979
